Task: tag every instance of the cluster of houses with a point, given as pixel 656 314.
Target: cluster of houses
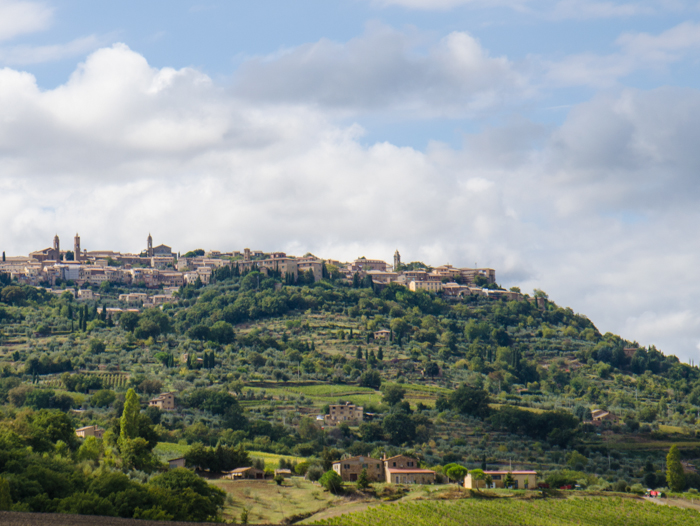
pixel 399 469
pixel 159 267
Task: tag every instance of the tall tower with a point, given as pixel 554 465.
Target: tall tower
pixel 57 247
pixel 76 247
pixel 149 246
pixel 397 260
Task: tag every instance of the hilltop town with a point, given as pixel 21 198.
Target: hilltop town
pixel 159 268
pixel 268 374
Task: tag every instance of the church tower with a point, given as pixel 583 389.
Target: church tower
pixel 397 260
pixel 149 246
pixel 76 247
pixel 56 248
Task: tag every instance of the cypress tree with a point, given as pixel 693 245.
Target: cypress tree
pixel 675 477
pixel 128 422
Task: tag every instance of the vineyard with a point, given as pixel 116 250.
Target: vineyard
pixel 592 511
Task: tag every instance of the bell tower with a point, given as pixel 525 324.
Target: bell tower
pixel 76 247
pixel 57 247
pixel 397 260
pixel 149 246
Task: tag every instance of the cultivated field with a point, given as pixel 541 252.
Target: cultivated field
pixel 510 512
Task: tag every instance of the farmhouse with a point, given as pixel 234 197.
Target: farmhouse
pixel 89 431
pixel 343 413
pixel 176 463
pixel 599 415
pixel 245 473
pixel 349 468
pixel 401 469
pixel 164 402
pixel 521 480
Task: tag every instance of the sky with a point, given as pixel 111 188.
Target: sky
pixel 556 141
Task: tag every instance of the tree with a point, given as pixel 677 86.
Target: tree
pixel 509 481
pixel 222 332
pixel 12 295
pixel 97 346
pixel 128 423
pixel 456 472
pixel 202 501
pixel 400 428
pixel 332 482
pixel 392 394
pixel 5 499
pixel 362 480
pixel 371 379
pixel 477 475
pixel 128 321
pixel 470 401
pixel 675 477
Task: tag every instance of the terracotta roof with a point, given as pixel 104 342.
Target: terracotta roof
pixel 357 457
pixel 242 470
pixel 511 472
pixel 396 470
pixel 399 456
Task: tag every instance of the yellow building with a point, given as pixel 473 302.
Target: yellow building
pixel 521 480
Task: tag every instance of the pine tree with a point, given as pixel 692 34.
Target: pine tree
pixel 675 477
pixel 380 354
pixel 358 354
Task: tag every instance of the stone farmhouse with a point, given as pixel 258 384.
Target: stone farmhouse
pixel 350 468
pixel 164 402
pixel 90 431
pixel 347 412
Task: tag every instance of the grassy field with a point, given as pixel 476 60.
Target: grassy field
pixel 673 429
pixel 272 460
pixel 268 503
pixel 168 451
pixel 593 511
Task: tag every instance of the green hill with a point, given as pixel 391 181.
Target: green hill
pixel 253 360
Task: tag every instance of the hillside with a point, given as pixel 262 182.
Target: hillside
pixel 478 381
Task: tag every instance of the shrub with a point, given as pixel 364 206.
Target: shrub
pixel 332 482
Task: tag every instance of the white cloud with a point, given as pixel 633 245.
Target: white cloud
pixel 383 70
pixel 547 9
pixel 584 9
pixel 18 17
pixel 598 211
pixel 25 54
pixel 638 51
